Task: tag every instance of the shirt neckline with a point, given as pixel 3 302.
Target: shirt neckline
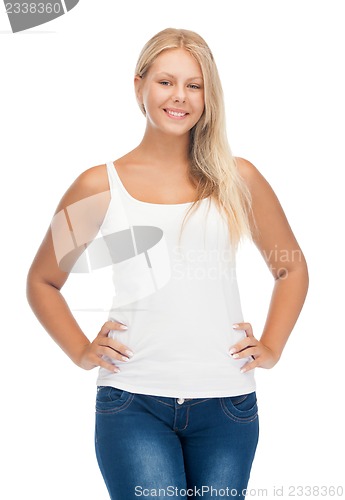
pixel 146 202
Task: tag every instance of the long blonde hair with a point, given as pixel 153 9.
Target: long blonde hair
pixel 213 169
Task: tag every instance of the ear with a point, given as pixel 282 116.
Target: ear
pixel 138 85
pixel 138 88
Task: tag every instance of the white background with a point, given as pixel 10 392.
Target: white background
pixel 67 103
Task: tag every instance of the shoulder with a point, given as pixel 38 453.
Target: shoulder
pixel 247 171
pixel 255 181
pixel 91 182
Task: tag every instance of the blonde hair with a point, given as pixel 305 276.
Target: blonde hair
pixel 213 169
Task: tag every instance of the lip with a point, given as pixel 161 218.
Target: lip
pixel 175 110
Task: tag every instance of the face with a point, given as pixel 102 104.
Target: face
pixel 172 92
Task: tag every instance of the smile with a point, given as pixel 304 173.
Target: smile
pixel 176 114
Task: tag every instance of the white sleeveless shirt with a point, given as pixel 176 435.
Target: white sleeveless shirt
pixel 179 299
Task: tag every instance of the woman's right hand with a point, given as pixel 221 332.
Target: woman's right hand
pixel 105 346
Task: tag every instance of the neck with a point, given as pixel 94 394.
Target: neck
pixel 162 149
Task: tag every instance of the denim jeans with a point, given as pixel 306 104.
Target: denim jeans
pixel 161 447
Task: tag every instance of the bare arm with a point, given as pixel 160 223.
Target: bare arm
pixel 277 244
pixel 45 280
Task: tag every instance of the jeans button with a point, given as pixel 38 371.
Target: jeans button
pixel 180 401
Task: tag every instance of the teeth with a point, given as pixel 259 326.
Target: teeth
pixel 175 113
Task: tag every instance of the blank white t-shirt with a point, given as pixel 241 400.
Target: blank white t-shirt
pixel 179 299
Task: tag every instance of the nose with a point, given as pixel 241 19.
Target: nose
pixel 179 96
pixel 179 99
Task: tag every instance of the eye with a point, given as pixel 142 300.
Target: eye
pixel 164 82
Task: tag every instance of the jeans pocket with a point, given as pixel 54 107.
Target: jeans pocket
pixel 112 399
pixel 242 409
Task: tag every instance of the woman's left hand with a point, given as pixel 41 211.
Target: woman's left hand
pixel 262 355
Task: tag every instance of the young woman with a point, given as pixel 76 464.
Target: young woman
pixel 176 408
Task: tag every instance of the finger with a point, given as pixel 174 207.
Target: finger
pixel 111 325
pixel 247 327
pixel 96 360
pixel 111 353
pixel 116 345
pixel 108 366
pixel 246 353
pixel 249 366
pixel 243 344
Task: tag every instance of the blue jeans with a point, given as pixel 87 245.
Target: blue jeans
pixel 162 447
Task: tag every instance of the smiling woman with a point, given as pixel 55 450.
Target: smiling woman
pixel 157 89
pixel 176 400
pixel 181 61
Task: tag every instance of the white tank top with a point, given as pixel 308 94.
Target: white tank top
pixel 179 299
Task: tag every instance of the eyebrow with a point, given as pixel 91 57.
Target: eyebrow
pixel 172 76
